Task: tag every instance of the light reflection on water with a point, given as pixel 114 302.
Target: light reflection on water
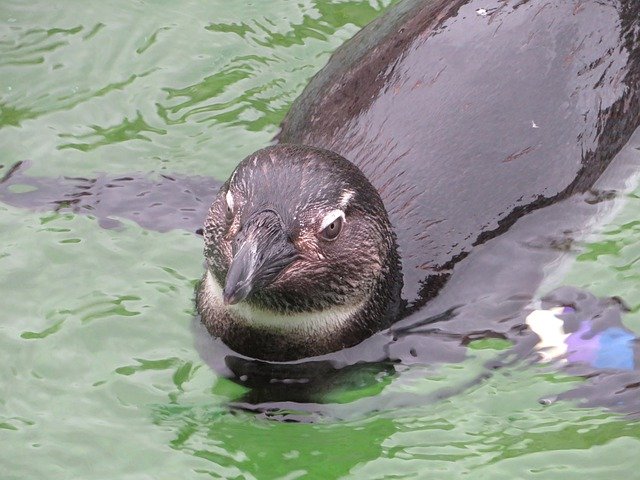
pixel 99 375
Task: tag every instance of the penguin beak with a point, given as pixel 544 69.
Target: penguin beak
pixel 261 250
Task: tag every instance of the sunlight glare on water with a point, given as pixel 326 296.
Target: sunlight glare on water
pixel 99 374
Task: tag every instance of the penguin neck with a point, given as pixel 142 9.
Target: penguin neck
pixel 324 321
pixel 271 336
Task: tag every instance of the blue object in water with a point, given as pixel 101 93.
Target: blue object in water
pixel 616 349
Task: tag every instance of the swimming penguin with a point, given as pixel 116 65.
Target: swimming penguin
pixel 429 133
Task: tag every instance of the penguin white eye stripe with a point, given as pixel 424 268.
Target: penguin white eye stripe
pixel 229 198
pixel 331 217
pixel 346 196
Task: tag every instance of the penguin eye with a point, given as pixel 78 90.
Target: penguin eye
pixel 332 226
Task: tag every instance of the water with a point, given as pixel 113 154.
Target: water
pixel 99 374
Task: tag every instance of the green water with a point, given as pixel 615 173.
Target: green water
pixel 99 377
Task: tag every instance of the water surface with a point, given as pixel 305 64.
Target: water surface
pixel 99 374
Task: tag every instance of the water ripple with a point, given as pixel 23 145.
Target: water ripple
pixel 122 132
